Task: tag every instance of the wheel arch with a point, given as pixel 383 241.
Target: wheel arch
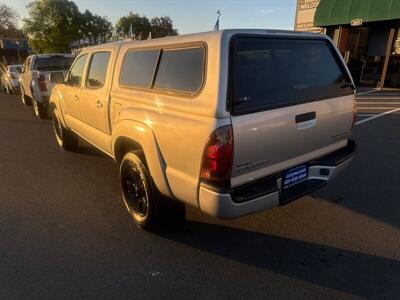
pixel 130 136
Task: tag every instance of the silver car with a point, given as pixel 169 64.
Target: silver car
pixel 10 78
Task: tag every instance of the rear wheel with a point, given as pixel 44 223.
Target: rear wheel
pixel 66 139
pixel 25 99
pixel 144 203
pixel 40 110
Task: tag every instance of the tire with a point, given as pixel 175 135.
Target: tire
pixel 25 99
pixel 40 110
pixel 66 139
pixel 148 209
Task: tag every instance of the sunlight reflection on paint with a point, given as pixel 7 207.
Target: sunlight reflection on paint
pixel 159 104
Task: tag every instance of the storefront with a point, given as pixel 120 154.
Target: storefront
pixel 367 34
pixel 13 51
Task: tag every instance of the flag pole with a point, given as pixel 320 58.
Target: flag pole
pixel 216 27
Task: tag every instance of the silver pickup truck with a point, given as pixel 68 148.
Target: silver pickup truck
pixel 39 73
pixel 232 122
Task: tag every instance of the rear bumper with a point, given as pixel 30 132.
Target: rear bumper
pixel 266 193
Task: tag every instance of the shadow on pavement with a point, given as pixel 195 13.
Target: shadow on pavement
pixel 347 271
pixel 370 185
pixel 90 151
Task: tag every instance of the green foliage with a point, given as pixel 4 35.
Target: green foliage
pixel 162 26
pixel 142 26
pixel 94 25
pixel 52 24
pixel 8 22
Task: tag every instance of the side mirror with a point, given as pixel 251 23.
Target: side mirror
pixel 67 78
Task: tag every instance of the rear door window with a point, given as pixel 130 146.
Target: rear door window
pixel 269 73
pixel 138 68
pixel 181 70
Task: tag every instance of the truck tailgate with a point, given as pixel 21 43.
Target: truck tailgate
pixel 291 102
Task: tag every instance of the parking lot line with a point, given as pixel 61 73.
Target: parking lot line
pixel 378 102
pixel 367 92
pixel 374 108
pixel 377 116
pixel 366 115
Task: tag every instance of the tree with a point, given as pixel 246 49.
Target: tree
pixel 53 24
pixel 94 25
pixel 8 22
pixel 140 25
pixel 162 26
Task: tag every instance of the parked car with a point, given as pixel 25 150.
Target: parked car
pixel 10 79
pixel 39 74
pixel 232 122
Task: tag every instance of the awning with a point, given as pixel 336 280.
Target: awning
pixel 341 12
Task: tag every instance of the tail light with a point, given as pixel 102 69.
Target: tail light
pixel 42 83
pixel 216 166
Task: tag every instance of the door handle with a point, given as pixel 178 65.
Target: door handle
pixel 306 120
pixel 99 104
pixel 306 117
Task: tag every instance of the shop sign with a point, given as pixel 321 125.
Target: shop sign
pixel 305 16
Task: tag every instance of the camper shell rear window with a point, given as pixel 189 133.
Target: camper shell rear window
pixel 268 73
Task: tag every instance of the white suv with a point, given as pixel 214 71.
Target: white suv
pixel 232 122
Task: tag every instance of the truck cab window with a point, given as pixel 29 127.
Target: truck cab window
pixel 76 73
pixel 98 70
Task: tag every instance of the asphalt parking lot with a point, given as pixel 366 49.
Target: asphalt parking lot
pixel 65 234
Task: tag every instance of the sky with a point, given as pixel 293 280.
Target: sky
pixel 191 15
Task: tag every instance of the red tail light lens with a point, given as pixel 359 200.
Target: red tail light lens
pixel 42 83
pixel 218 156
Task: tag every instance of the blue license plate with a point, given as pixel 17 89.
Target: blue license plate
pixel 294 176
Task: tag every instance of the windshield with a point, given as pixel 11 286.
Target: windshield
pixel 53 63
pixel 271 73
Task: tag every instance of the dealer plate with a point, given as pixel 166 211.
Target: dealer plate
pixel 294 176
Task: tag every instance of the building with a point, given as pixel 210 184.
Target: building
pixel 305 12
pixel 365 31
pixel 13 51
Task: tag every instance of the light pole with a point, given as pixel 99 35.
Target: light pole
pixel 19 56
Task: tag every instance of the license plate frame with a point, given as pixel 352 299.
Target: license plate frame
pixel 294 176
